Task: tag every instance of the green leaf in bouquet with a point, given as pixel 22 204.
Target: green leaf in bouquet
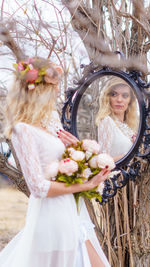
pixel 93 155
pixel 77 196
pixel 69 180
pixel 94 172
pixel 78 180
pixel 65 154
pixel 87 194
pixel 78 146
pixel 62 178
pixel 81 166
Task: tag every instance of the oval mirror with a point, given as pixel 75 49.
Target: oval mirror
pixel 110 109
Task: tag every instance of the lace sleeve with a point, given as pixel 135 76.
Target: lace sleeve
pixel 25 146
pixel 105 134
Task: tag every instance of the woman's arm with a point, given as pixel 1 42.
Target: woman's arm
pixel 57 189
pixel 106 135
pixel 24 143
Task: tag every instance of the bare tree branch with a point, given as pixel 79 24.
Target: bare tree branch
pixel 7 40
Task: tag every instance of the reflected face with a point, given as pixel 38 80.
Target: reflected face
pixel 119 99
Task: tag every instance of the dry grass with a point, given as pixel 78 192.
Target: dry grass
pixel 13 206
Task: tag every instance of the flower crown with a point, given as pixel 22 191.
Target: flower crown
pixel 34 71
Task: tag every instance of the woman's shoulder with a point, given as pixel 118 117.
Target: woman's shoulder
pixel 21 125
pixel 22 128
pixel 107 120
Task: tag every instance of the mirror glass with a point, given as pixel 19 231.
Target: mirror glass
pixel 109 113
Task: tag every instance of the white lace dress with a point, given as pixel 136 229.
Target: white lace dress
pixel 55 233
pixel 115 138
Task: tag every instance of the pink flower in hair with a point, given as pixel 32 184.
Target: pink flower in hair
pixel 28 61
pixel 31 75
pixel 53 74
pixel 68 166
pixel 20 67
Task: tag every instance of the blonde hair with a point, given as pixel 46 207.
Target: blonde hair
pixel 131 116
pixel 28 106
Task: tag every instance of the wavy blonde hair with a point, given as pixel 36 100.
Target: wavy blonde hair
pixel 131 114
pixel 28 106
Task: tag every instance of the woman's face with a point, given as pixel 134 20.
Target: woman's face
pixel 119 99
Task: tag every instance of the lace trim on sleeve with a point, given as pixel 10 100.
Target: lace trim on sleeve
pixel 26 150
pixel 106 134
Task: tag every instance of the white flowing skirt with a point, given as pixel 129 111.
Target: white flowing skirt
pixel 54 236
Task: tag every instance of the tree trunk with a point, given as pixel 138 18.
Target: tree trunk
pixel 141 231
pixel 124 226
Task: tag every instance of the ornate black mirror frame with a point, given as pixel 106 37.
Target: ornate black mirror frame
pixel 130 164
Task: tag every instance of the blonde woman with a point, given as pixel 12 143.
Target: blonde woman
pixel 55 234
pixel 117 118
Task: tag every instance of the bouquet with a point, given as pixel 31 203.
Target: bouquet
pixel 79 164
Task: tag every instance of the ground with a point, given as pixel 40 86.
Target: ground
pixel 13 206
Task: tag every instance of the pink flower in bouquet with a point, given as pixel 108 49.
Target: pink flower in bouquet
pixel 105 161
pixel 68 166
pixel 78 155
pixel 71 150
pixel 31 75
pixel 93 162
pixel 52 170
pixel 86 173
pixel 91 145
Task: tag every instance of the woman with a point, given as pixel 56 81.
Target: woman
pixel 117 118
pixel 55 235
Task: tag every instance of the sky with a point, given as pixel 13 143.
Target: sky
pixel 12 9
pixel 50 15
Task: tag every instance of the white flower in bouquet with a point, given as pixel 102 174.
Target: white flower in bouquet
pixel 86 173
pixel 93 162
pixel 88 154
pixel 100 188
pixel 91 146
pixel 52 170
pixel 78 155
pixel 104 160
pixel 68 166
pixel 70 150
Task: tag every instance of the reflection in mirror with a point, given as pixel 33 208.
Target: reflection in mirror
pixel 109 113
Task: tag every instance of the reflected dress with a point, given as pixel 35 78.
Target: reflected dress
pixel 54 234
pixel 115 137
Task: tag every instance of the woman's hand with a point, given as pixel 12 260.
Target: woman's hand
pixel 97 179
pixel 67 138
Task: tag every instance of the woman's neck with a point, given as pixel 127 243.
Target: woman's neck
pixel 119 117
